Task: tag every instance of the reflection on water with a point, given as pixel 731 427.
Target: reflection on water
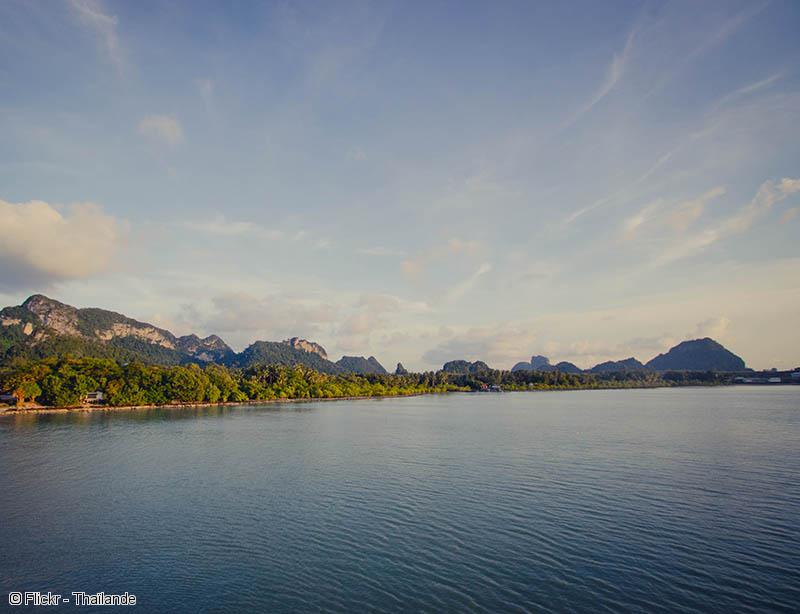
pixel 648 500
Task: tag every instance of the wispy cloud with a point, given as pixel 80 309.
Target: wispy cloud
pixel 459 290
pixel 748 89
pixel 716 328
pixel 685 213
pixel 770 193
pixel 790 214
pixel 162 128
pixel 93 14
pixel 371 314
pixel 614 73
pixel 221 226
pixel 632 225
pixel 415 266
pixel 710 40
pixel 206 88
pixel 499 346
pixel 626 189
pixel 380 251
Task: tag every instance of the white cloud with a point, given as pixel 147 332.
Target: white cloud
pixel 627 189
pixel 715 328
pixel 206 89
pixel 655 217
pixel 748 89
pixel 221 226
pixel 686 213
pixel 500 347
pixel 356 154
pixel 614 72
pixel 274 317
pixel 459 290
pixel 710 39
pixel 93 14
pixel 790 214
pixel 415 266
pixel 43 244
pixel 371 314
pixel 632 225
pixel 380 251
pixel 768 195
pixel 162 128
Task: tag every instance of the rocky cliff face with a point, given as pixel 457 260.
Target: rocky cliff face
pixel 307 346
pixel 61 319
pixel 43 327
pixel 47 323
pixel 210 349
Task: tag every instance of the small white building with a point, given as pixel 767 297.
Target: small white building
pixel 95 397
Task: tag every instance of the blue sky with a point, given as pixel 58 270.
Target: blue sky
pixel 418 181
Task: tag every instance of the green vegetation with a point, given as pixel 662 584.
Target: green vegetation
pixel 14 345
pixel 274 352
pixel 556 380
pixel 65 382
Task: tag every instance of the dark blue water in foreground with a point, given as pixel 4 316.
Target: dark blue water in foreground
pixel 638 500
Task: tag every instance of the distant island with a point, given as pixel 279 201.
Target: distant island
pixel 56 355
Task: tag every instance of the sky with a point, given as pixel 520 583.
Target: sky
pixel 418 181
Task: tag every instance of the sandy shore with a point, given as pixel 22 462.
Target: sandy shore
pixel 11 411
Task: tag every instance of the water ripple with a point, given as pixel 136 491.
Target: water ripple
pixel 651 501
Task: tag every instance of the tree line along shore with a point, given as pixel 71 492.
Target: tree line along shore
pixel 69 382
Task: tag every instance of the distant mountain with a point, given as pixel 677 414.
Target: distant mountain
pixel 567 367
pixel 279 353
pixel 400 370
pixel 617 366
pixel 542 363
pixel 360 365
pixel 464 367
pixel 307 346
pixel 697 355
pixel 537 363
pixel 210 349
pixel 42 327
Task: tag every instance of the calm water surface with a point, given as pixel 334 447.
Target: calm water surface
pixel 637 500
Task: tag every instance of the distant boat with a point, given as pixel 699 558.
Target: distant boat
pixel 487 388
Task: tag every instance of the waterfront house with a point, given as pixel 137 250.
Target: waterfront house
pixel 94 397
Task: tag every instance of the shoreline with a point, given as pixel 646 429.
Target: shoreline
pixel 12 411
